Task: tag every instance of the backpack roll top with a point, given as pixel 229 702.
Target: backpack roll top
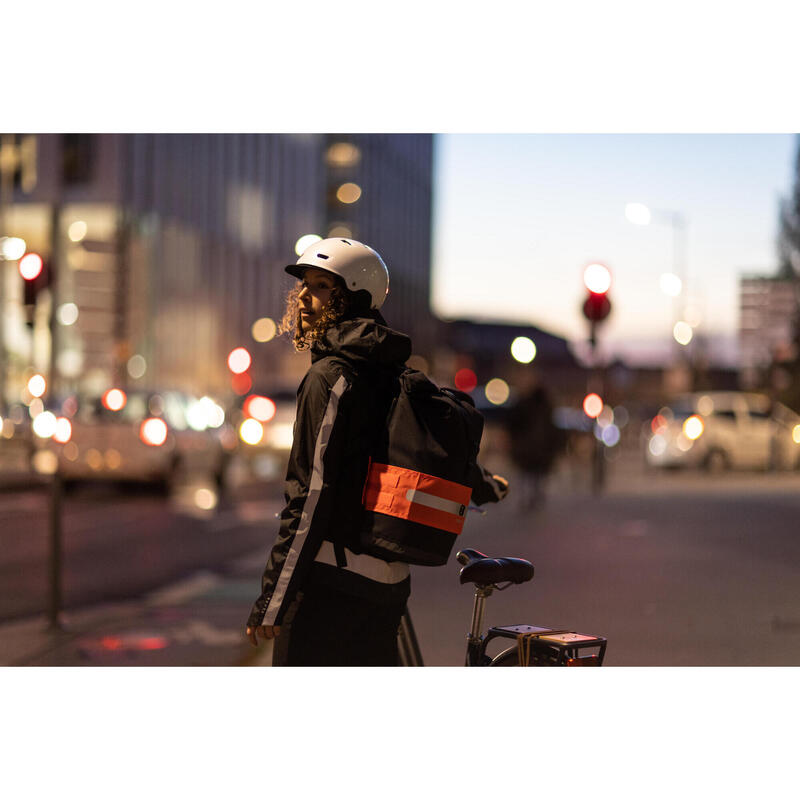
pixel 417 490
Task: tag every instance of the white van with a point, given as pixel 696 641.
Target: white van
pixel 723 430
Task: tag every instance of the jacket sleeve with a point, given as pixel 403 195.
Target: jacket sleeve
pixel 306 516
pixel 485 489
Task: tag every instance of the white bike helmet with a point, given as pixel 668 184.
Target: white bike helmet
pixel 359 266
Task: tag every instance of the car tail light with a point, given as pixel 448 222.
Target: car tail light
pixel 115 399
pixel 260 408
pixel 153 431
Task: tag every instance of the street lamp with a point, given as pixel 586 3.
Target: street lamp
pixel 672 283
pixel 640 214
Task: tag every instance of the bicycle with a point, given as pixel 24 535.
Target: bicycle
pixel 534 646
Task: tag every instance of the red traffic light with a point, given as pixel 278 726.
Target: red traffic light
pixel 597 279
pixel 596 307
pixel 30 266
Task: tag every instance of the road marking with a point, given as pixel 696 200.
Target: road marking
pixel 200 631
pixel 183 591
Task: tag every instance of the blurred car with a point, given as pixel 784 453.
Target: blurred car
pixel 142 436
pixel 264 423
pixel 723 430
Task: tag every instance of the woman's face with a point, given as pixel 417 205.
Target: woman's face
pixel 314 296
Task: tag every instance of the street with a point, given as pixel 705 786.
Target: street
pixel 119 544
pixel 673 568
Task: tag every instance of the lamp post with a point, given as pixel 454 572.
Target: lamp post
pixel 674 283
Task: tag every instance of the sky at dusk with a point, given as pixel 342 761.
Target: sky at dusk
pixel 518 216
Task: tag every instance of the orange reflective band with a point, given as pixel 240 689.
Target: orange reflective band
pixel 415 496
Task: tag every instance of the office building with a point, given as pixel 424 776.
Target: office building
pixel 165 249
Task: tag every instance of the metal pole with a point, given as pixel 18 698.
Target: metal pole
pixel 54 597
pixel 596 385
pixel 6 193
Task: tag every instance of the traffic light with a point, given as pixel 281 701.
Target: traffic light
pixel 597 279
pixel 36 275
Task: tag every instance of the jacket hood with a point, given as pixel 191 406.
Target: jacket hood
pixel 365 339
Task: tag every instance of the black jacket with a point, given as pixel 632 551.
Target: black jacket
pixel 337 409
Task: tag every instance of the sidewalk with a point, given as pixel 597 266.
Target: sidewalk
pixel 198 621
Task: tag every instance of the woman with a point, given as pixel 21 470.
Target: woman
pixel 340 605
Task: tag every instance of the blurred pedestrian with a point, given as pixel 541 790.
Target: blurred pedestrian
pixel 324 600
pixel 534 443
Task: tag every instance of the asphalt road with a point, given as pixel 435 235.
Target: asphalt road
pixel 119 544
pixel 674 569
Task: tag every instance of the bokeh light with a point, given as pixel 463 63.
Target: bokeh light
pixel 153 431
pixel 12 247
pixel 260 408
pixel 657 445
pixel 523 350
pixel 77 231
pixel 30 266
pixel 592 405
pixel 597 278
pixel 340 231
pixel 215 414
pixel 670 284
pixel 63 431
pixel 67 314
pixel 348 193
pixel 239 360
pixel 465 380
pixel 37 385
pixel 242 383
pixel 605 417
pixel 343 154
pixel 114 399
pixel 693 427
pixel 610 435
pixel 497 391
pixel 45 462
pixel 205 499
pixel 304 242
pixel 264 329
pixel 796 434
pixel 137 366
pixel 44 424
pixel 638 213
pixel 251 431
pixel 682 332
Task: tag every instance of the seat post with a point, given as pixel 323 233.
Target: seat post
pixel 481 593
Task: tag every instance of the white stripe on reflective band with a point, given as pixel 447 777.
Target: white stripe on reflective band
pixel 376 569
pixel 310 505
pixel 434 501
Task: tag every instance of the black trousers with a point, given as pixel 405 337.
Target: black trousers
pixel 327 627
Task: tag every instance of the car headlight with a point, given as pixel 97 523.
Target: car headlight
pixel 693 428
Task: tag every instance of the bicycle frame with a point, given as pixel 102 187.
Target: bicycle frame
pixel 533 645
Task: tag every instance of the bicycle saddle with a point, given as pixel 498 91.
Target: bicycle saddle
pixel 480 569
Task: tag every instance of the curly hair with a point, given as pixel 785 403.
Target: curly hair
pixel 331 313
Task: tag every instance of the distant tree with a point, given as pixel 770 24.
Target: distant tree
pixel 789 230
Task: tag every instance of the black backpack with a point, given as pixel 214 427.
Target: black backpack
pixel 418 483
